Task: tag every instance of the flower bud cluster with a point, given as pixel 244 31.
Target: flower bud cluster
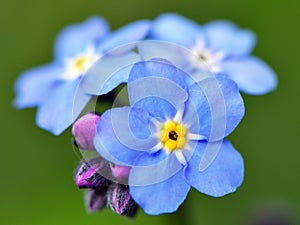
pixel 104 181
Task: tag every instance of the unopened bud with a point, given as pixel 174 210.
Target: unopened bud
pixel 89 174
pixel 84 130
pixel 95 200
pixel 120 200
pixel 120 172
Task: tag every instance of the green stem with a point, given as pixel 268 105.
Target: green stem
pixel 183 216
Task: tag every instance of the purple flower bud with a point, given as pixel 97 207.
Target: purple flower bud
pixel 119 172
pixel 95 200
pixel 84 130
pixel 120 200
pixel 90 174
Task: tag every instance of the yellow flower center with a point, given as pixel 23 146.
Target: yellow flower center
pixel 82 64
pixel 173 136
pixel 79 64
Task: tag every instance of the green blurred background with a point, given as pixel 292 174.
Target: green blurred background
pixel 37 168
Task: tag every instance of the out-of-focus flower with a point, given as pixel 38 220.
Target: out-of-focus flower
pixel 165 132
pixel 272 212
pixel 54 87
pixel 219 46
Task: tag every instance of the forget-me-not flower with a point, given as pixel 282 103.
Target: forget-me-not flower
pixel 223 47
pixel 54 88
pixel 165 133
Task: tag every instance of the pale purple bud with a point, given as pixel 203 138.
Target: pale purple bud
pixel 120 200
pixel 120 172
pixel 84 130
pixel 90 173
pixel 95 200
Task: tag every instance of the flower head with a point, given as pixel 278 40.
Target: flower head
pixel 55 88
pixel 169 132
pixel 218 46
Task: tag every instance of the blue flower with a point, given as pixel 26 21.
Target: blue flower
pixel 172 135
pixel 54 88
pixel 221 45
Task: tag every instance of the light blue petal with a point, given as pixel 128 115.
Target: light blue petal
pixel 177 29
pixel 252 75
pixel 219 107
pixel 223 176
pixel 157 108
pixel 226 36
pixel 163 197
pixel 123 134
pixel 154 168
pixel 63 104
pixel 32 86
pixel 176 54
pixel 133 32
pixel 158 68
pixel 75 38
pixel 107 73
pixel 157 87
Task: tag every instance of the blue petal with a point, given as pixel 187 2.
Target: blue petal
pixel 225 36
pixel 32 86
pixel 223 176
pixel 157 87
pixel 252 75
pixel 154 168
pixel 158 68
pixel 177 55
pixel 219 107
pixel 123 134
pixel 158 198
pixel 108 73
pixel 75 38
pixel 63 104
pixel 175 28
pixel 133 32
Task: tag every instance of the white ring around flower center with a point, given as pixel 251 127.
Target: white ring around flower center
pixel 80 63
pixel 173 137
pixel 204 58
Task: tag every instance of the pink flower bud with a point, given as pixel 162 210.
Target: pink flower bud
pixel 84 130
pixel 119 172
pixel 89 174
pixel 120 200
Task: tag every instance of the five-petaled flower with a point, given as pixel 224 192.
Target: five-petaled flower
pixel 54 88
pixel 166 132
pixel 219 46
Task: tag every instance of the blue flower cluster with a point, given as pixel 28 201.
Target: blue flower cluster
pixel 183 82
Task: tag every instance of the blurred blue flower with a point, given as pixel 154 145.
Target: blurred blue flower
pixel 54 88
pixel 167 132
pixel 223 47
